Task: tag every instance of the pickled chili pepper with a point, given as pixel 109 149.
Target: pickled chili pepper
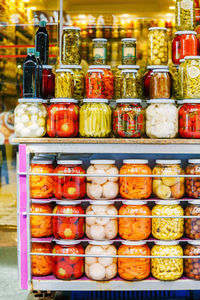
pixel 95 87
pixel 188 44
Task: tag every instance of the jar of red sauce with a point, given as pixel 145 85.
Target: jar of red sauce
pixel 63 118
pixel 176 48
pixel 69 187
pixel 68 267
pixel 48 82
pixel 189 44
pixel 94 82
pixel 189 119
pixel 148 76
pixel 68 228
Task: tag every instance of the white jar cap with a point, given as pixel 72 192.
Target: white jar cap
pixel 194 202
pixel 99 39
pixel 191 57
pixel 92 100
pixel 100 243
pixel 48 67
pixel 194 161
pixel 128 101
pixel 169 202
pixel 168 162
pixel 101 202
pixel 63 100
pixel 41 162
pixel 191 101
pixel 95 71
pixel 69 162
pixel 67 242
pixel 186 32
pixel 135 202
pixel 135 161
pixel 166 243
pixel 100 67
pixel 128 40
pixel 157 67
pixel 136 67
pixel 160 101
pixel 133 243
pixel 70 67
pixel 158 28
pixel 194 243
pixel 102 161
pixel 30 100
pixel 40 201
pixel 66 203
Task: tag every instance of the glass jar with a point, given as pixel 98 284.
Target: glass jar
pixel 176 48
pixel 135 187
pixel 30 118
pixel 68 267
pixel 68 228
pixel 79 81
pixel 129 118
pixel 134 268
pixel 48 82
pixel 167 268
pixel 158 46
pixel 176 82
pixel 147 78
pixel 181 77
pixel 102 187
pixel 193 184
pixel 108 80
pixel 64 85
pixel 41 187
pixel 63 118
pixel 192 226
pixel 94 81
pixel 134 229
pixel 71 46
pixel 192 265
pixel 99 228
pixel 185 14
pixel 189 43
pixel 160 85
pixel 95 118
pixel 99 51
pixel 161 119
pixel 130 84
pixel 167 229
pixel 168 187
pixel 69 187
pixel 128 51
pixel 41 264
pixel 101 268
pixel 41 226
pixel 189 119
pixel 191 79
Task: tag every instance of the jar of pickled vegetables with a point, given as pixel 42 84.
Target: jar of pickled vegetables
pixel 94 81
pixel 99 51
pixel 161 119
pixel 189 44
pixel 41 226
pixel 69 187
pixel 95 118
pixel 176 82
pixel 135 187
pixel 192 226
pixel 148 75
pixel 68 228
pixel 41 264
pixel 176 48
pixel 164 228
pixel 63 118
pixel 185 14
pixel 193 184
pixel 189 119
pixel 192 265
pixel 79 81
pixel 134 268
pixel 68 267
pixel 181 77
pixel 108 80
pixel 167 268
pixel 64 85
pixel 30 118
pixel 101 268
pixel 129 118
pixel 160 85
pixel 41 187
pixel 130 84
pixel 168 187
pixel 191 79
pixel 157 46
pixel 134 229
pixel 48 82
pixel 71 46
pixel 100 228
pixel 128 51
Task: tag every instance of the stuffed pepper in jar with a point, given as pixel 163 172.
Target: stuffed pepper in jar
pixel 69 187
pixel 192 265
pixel 189 119
pixel 63 118
pixel 68 267
pixel 135 187
pixel 164 228
pixel 192 183
pixel 42 265
pixel 68 228
pixel 134 268
pixel 168 187
pixel 101 228
pixel 192 226
pixel 134 228
pixel 129 118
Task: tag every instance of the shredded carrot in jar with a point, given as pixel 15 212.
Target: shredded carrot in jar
pixel 41 264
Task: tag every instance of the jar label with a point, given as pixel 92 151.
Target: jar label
pixel 128 52
pixel 99 53
pixel 193 72
pixel 186 4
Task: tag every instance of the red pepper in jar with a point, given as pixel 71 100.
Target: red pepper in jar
pixel 95 86
pixel 189 44
pixel 189 119
pixel 108 79
pixel 176 48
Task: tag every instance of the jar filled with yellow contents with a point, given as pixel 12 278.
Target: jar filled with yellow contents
pixel 64 84
pixel 158 46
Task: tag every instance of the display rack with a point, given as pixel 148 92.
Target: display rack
pixel 144 147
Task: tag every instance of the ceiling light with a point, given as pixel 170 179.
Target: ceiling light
pixel 172 7
pixel 26 1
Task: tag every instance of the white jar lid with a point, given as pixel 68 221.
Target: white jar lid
pixel 157 67
pixel 100 243
pixel 40 201
pixel 128 101
pixel 135 161
pixel 71 28
pixel 102 161
pixel 191 101
pixel 194 243
pixel 182 60
pixel 95 71
pixel 160 70
pixel 180 102
pixel 128 39
pixel 100 67
pixel 194 202
pixel 30 100
pixel 134 202
pixel 64 70
pixel 136 67
pixel 70 67
pixel 47 67
pixel 168 161
pixel 63 100
pixel 69 162
pixel 95 100
pixel 160 101
pixel 166 243
pixel 67 242
pixel 99 39
pixel 102 202
pixel 129 71
pixel 41 162
pixel 170 202
pixel 133 243
pixel 191 57
pixel 66 203
pixel 158 28
pixel 185 32
pixel 194 161
pixel 42 156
